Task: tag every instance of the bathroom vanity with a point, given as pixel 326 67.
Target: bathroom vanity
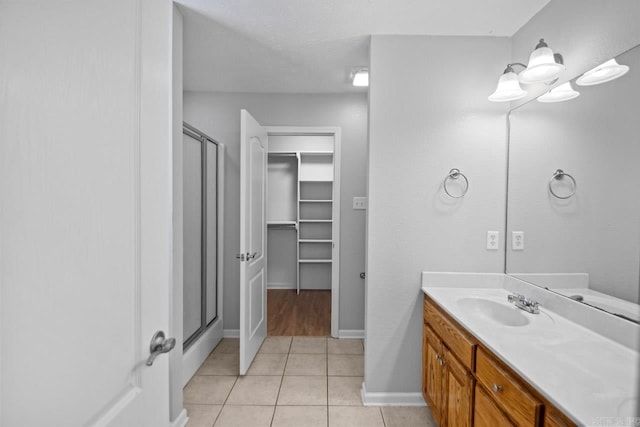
pixel 457 367
pixel 486 362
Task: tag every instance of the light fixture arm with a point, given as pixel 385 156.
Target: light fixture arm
pixel 509 68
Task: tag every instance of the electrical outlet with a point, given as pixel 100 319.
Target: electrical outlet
pixel 359 203
pixel 493 243
pixel 517 240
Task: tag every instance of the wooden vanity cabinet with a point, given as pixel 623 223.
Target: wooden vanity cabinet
pixel 464 384
pixel 486 413
pixel 447 385
pixel 432 373
pixel 505 389
pixel 458 392
pixel 554 418
pixel 447 382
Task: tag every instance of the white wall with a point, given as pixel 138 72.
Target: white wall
pixel 428 113
pixel 218 115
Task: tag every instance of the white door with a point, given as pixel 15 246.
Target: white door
pixel 85 212
pixel 253 234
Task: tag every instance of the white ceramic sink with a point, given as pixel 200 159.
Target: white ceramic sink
pixel 499 313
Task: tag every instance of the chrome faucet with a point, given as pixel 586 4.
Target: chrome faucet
pixel 524 303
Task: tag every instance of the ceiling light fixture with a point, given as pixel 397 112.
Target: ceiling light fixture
pixel 360 77
pixel 564 92
pixel 544 67
pixel 603 73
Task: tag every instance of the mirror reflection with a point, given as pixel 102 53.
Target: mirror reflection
pixel 573 221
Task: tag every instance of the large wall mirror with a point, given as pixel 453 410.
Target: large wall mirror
pixel 581 226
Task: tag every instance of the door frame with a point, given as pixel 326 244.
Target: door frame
pixel 336 132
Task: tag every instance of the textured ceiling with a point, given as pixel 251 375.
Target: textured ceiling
pixel 310 46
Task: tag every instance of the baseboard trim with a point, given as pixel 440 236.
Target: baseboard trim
pixel 281 285
pixel 231 333
pixel 391 399
pixel 351 333
pixel 181 420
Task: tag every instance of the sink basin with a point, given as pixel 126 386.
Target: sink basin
pixel 494 311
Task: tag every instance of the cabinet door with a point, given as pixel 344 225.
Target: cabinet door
pixel 553 418
pixel 458 387
pixel 486 412
pixel 432 373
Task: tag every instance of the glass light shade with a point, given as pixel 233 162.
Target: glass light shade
pixel 564 92
pixel 361 78
pixel 508 89
pixel 542 67
pixel 603 73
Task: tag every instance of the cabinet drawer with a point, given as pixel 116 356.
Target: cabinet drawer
pixel 486 413
pixel 505 390
pixel 453 337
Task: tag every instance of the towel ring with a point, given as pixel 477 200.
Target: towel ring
pixel 455 174
pixel 558 175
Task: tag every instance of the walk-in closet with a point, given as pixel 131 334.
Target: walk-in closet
pixel 302 227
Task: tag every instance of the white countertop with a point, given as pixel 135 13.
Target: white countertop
pixel 591 378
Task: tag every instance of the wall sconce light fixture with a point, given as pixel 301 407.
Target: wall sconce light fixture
pixel 360 77
pixel 603 73
pixel 508 87
pixel 564 92
pixel 544 66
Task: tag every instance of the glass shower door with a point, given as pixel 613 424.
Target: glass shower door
pixel 200 234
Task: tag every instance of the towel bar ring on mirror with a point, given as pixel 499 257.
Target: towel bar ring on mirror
pixel 558 175
pixel 455 174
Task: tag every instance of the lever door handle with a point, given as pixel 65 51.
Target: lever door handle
pixel 247 256
pixel 159 345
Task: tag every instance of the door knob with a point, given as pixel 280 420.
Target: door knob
pixel 159 345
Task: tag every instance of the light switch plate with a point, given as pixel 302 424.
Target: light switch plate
pixel 359 203
pixel 493 240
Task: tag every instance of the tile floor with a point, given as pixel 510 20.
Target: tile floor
pixel 293 381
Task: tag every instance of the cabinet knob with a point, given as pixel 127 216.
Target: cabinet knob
pixel 497 388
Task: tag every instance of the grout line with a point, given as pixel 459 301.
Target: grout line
pixel 225 400
pixel 384 423
pixel 275 405
pixel 326 348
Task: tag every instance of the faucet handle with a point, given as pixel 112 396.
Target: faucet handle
pixel 515 297
pixel 534 305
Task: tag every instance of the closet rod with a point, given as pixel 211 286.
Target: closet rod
pixel 284 154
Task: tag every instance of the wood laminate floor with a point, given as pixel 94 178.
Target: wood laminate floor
pixel 306 314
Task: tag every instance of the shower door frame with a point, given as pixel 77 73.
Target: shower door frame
pixel 194 133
